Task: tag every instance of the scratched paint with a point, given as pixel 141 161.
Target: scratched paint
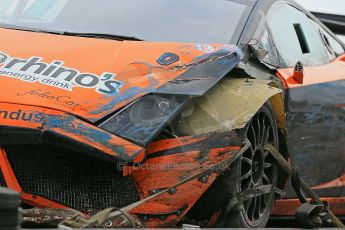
pixel 132 63
pixel 176 160
pixel 316 125
pixel 68 126
pixel 316 130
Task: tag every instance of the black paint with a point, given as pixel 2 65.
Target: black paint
pixel 316 132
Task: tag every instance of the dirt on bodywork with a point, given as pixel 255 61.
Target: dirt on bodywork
pixel 91 128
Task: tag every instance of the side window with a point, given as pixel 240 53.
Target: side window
pixel 334 48
pixel 295 37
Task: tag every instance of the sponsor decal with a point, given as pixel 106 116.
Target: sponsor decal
pixel 41 118
pixel 21 115
pixel 205 48
pixel 55 74
pixel 62 100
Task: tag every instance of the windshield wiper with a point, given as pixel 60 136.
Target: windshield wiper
pixel 102 35
pixel 67 33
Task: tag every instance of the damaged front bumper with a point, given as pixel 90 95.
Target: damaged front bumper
pixel 160 177
pixel 162 206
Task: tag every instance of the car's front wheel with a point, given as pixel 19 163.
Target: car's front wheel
pixel 254 169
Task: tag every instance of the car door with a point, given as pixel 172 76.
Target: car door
pixel 315 101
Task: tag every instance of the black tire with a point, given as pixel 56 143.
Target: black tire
pixel 254 168
pixel 9 199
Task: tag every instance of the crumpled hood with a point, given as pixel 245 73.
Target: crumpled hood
pixel 89 77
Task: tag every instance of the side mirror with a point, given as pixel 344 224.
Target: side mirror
pixel 298 74
pixel 258 53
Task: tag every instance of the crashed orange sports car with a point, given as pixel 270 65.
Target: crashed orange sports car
pixel 163 109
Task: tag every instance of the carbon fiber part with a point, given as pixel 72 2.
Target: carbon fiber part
pixel 73 179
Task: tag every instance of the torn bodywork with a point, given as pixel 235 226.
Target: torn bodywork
pixel 176 112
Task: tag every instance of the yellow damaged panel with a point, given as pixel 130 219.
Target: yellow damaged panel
pixel 229 105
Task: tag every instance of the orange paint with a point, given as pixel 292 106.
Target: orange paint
pixel 161 145
pixel 10 178
pixel 333 71
pixel 288 207
pixel 338 182
pixel 70 108
pixel 129 66
pixel 183 172
pixel 185 197
pixel 69 127
pixel 166 171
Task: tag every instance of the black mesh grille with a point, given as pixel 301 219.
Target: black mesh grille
pixel 2 180
pixel 73 179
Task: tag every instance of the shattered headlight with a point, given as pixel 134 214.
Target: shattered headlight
pixel 142 120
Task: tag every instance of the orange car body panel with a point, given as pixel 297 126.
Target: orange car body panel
pixel 106 74
pixel 96 77
pixel 60 123
pixel 179 167
pixel 182 171
pixel 62 87
pixel 334 71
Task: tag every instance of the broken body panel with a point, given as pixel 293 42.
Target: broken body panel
pixel 92 78
pixel 71 99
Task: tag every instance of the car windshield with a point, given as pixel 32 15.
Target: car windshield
pixel 207 21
